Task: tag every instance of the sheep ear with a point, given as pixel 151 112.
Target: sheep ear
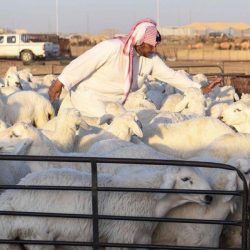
pixel 181 105
pixel 136 128
pixel 168 182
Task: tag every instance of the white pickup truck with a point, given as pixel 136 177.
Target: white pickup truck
pixel 19 46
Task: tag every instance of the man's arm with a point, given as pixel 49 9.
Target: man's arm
pixel 55 90
pixel 163 73
pixel 208 88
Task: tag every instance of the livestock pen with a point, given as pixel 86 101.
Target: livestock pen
pixel 95 190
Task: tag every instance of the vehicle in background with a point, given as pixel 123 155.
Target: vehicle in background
pixel 20 46
pixel 62 42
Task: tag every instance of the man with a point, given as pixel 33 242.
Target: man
pixel 113 68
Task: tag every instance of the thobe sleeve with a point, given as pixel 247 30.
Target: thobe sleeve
pixel 86 64
pixel 162 72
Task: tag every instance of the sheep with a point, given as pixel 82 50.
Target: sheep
pixel 170 102
pixel 245 98
pixel 199 235
pixel 48 80
pixel 192 103
pixel 139 100
pixel 2 111
pixel 11 82
pixel 146 115
pixel 245 45
pixel 224 94
pixel 237 115
pixel 61 130
pixel 196 46
pixel 26 79
pixel 156 92
pixel 201 79
pixel 12 171
pixel 28 106
pixel 227 146
pixel 171 117
pixel 20 132
pixel 215 110
pixel 184 139
pixel 122 127
pixel 11 78
pixel 231 235
pixel 115 203
pixel 3 125
pixel 114 108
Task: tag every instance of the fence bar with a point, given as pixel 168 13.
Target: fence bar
pixel 120 245
pixel 121 218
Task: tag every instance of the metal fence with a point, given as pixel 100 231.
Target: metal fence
pixel 95 189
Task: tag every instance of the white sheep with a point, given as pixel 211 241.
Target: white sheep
pixel 138 100
pixel 200 235
pixel 171 117
pixel 115 203
pixel 11 82
pixel 201 79
pixel 12 171
pixel 11 78
pixel 19 133
pixel 237 115
pixel 48 80
pixel 28 106
pixel 26 79
pixel 215 110
pixel 231 235
pixel 61 130
pixel 228 146
pixel 156 92
pixel 170 102
pixel 184 139
pixel 122 127
pixel 245 98
pixel 224 94
pixel 192 103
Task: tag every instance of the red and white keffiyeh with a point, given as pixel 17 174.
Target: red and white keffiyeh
pixel 144 31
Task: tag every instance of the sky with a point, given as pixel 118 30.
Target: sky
pixel 94 16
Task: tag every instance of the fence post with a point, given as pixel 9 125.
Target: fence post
pixel 95 206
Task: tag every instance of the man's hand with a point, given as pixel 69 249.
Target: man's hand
pixel 55 90
pixel 208 88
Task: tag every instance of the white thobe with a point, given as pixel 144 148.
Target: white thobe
pixel 99 75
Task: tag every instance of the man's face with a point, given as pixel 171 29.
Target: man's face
pixel 145 49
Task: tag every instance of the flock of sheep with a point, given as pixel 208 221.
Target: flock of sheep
pixel 156 122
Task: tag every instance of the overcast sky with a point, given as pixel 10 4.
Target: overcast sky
pixel 93 16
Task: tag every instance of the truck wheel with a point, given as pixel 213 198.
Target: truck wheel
pixel 27 57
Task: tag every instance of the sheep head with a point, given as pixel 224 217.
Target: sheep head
pixel 12 78
pixel 16 139
pixel 236 114
pixel 193 98
pixel 182 178
pixel 125 126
